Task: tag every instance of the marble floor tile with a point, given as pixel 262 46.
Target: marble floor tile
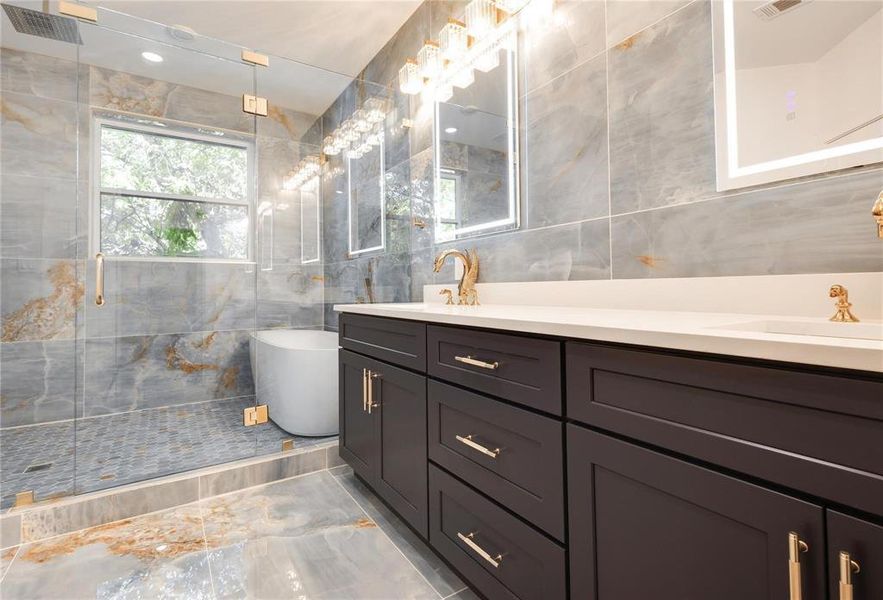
pixel 6 557
pixel 162 555
pixel 436 572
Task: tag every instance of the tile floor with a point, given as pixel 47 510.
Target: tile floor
pixel 101 452
pixel 322 535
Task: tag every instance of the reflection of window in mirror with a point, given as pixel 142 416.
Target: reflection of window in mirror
pixel 797 88
pixel 476 143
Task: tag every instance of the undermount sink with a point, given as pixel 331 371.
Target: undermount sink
pixel 860 331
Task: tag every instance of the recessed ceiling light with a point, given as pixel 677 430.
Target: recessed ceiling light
pixel 152 57
pixel 338 191
pixel 451 130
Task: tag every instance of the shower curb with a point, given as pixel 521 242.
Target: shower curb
pixel 72 513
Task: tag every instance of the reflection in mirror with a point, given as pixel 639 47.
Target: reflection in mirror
pixel 476 143
pixel 310 221
pixel 797 88
pixel 366 189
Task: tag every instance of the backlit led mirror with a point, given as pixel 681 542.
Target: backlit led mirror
pixel 476 149
pixel 797 88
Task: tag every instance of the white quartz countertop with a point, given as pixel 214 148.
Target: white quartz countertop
pixel 717 333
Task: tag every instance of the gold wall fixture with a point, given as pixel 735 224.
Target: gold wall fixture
pixel 287 445
pixel 25 498
pixel 795 581
pixel 877 211
pixel 255 415
pixel 79 11
pixel 255 58
pixel 843 314
pixel 254 105
pixel 848 567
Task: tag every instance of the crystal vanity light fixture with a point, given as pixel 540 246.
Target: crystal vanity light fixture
pixel 307 169
pixel 481 17
pixel 429 60
pixel 356 136
pixel 453 40
pixel 410 81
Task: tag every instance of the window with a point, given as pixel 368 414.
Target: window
pixel 171 194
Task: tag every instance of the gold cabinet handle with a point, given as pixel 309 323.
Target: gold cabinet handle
pixel 365 389
pixel 99 279
pixel 469 538
pixel 847 568
pixel 469 360
pixel 476 446
pixel 795 547
pixel 371 377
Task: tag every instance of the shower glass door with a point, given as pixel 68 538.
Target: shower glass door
pixel 168 196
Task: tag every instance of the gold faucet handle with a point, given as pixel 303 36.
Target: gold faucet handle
pixel 843 305
pixel 877 211
pixel 449 295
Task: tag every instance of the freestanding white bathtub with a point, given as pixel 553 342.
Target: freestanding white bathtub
pixel 295 373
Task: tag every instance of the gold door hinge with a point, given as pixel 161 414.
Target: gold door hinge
pixel 71 9
pixel 255 415
pixel 287 445
pixel 254 105
pixel 24 498
pixel 255 58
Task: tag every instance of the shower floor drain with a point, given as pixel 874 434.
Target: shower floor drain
pixel 41 467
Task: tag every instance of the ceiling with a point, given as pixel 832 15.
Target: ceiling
pixel 339 35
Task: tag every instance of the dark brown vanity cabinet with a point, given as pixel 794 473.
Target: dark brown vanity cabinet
pixel 855 558
pixel 646 525
pixel 383 432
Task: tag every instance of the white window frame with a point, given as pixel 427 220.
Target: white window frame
pixel 174 132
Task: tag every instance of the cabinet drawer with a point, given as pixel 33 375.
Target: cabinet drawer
pixel 514 456
pixel 497 553
pixel 398 342
pixel 521 369
pixel 807 430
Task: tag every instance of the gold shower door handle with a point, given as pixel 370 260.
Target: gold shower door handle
pixel 476 446
pixel 99 279
pixel 469 360
pixel 795 582
pixel 847 568
pixel 469 538
pixel 371 377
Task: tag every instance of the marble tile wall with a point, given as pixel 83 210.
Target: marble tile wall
pixel 618 178
pixel 171 332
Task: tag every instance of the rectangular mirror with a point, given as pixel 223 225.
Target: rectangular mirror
pixel 476 149
pixel 310 221
pixel 366 196
pixel 798 88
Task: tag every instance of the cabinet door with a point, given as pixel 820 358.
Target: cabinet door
pixel 358 441
pixel 400 426
pixel 646 525
pixel 863 541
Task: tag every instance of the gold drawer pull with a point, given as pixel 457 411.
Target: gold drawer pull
pixel 795 547
pixel 476 446
pixel 364 389
pixel 99 279
pixel 847 568
pixel 371 377
pixel 469 360
pixel 467 539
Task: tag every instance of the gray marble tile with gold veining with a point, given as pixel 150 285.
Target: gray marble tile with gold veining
pixel 303 536
pixel 626 17
pixel 230 480
pixel 662 128
pixel 41 75
pixel 436 572
pixel 290 296
pixel 10 531
pixel 756 233
pixel 38 383
pixel 39 217
pixel 159 555
pixel 39 136
pixel 135 372
pixel 7 555
pixel 163 297
pixel 39 299
pixel 575 35
pixel 566 147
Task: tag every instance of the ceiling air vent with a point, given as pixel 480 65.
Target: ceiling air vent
pixel 773 9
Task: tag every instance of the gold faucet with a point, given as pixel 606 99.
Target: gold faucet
pixel 466 291
pixel 843 314
pixel 877 211
pixel 448 296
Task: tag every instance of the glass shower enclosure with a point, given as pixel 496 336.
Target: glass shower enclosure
pixel 147 233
